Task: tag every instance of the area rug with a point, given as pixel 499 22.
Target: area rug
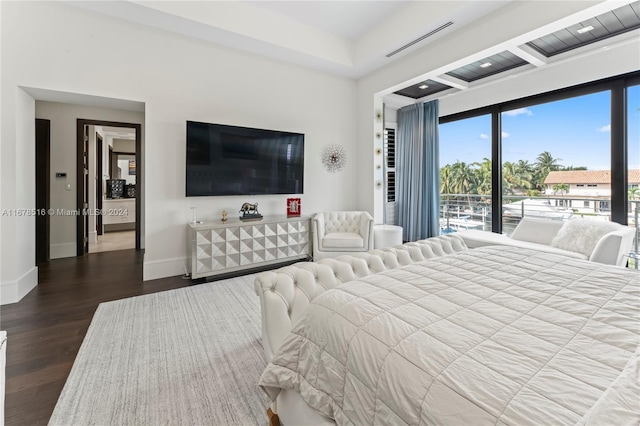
pixel 191 356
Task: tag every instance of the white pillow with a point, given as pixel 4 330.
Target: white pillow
pixel 582 235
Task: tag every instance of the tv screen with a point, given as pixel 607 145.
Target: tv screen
pixel 231 160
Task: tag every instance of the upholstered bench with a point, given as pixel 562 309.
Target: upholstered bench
pixel 596 241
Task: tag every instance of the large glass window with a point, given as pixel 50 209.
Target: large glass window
pixel 465 174
pixel 557 160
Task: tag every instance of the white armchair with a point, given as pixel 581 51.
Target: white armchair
pixel 336 233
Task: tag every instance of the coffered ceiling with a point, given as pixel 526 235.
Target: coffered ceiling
pixel 618 24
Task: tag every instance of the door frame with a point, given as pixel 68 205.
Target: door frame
pixel 80 123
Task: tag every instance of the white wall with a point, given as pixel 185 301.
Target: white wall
pixel 179 79
pixel 507 23
pixel 63 119
pixel 18 273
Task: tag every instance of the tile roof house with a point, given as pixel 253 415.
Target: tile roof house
pixel 587 183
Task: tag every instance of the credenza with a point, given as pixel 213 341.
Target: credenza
pixel 216 247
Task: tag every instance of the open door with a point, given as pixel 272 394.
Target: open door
pixel 83 192
pixel 43 190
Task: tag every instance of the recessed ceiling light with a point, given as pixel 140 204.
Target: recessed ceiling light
pixel 485 65
pixel 424 86
pixel 585 29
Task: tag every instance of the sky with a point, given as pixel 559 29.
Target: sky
pixel 576 131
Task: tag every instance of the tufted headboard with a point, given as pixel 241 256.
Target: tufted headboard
pixel 285 293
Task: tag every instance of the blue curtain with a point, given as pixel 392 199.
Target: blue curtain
pixel 418 171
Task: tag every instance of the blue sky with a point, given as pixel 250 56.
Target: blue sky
pixel 575 130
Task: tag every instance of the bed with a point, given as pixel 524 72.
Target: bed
pixel 495 335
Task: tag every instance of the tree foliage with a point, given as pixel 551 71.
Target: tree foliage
pixel 518 178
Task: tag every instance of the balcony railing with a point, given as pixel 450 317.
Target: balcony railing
pixel 461 212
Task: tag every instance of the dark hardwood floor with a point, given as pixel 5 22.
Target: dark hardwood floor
pixel 46 328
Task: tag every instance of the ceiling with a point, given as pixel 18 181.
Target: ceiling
pixel 348 38
pixel 354 38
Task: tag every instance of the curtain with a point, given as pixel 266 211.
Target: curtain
pixel 418 171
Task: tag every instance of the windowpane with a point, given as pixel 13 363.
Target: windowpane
pixel 465 174
pixel 633 158
pixel 557 160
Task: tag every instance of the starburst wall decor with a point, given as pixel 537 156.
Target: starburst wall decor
pixel 334 158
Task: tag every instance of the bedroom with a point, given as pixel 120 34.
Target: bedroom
pixel 243 93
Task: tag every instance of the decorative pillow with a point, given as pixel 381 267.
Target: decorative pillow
pixel 582 235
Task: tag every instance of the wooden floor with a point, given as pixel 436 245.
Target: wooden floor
pixel 111 241
pixel 46 328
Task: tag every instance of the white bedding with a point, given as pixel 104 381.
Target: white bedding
pixel 494 335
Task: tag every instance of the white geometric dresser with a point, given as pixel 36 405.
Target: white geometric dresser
pixel 217 247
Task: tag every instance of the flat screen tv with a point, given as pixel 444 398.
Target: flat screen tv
pixel 231 160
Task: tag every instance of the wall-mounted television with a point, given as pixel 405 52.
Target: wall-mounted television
pixel 232 160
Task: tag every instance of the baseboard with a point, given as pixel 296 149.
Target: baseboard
pixel 163 268
pixel 128 226
pixel 58 251
pixel 14 291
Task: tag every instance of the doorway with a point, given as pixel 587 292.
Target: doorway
pixel 110 208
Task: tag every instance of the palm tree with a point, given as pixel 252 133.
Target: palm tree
pixel 562 188
pixel 544 164
pixel 483 176
pixel 509 177
pixel 545 161
pixel 526 173
pixel 463 179
pixel 445 180
pixel 634 193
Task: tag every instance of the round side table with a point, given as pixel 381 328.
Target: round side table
pixel 386 236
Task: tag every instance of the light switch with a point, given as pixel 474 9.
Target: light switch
pixel 68 187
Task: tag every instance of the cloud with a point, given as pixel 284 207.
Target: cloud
pixel 484 136
pixel 505 135
pixel 605 129
pixel 519 111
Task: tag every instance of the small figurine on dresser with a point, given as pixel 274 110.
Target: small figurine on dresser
pixel 250 212
pixel 224 215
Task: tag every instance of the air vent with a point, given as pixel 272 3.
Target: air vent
pixel 418 40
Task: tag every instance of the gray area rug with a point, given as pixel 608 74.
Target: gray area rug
pixel 191 356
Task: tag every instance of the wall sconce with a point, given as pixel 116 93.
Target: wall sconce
pixel 379 115
pixel 378 151
pixel 378 167
pixel 378 184
pixel 378 135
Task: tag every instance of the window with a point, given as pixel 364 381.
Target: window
pixel 465 174
pixel 548 146
pixel 633 165
pixel 390 163
pixel 543 146
pixel 390 174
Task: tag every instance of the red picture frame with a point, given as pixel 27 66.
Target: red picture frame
pixel 293 207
